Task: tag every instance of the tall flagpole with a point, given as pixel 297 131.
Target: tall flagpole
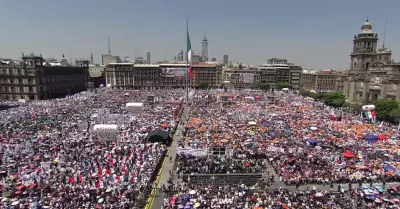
pixel 187 63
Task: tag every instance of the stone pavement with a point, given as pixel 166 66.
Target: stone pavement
pixel 168 167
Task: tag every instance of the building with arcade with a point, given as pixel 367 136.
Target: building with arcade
pixel 162 75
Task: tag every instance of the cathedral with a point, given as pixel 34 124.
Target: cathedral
pixel 373 74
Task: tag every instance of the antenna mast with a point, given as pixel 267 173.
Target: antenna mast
pixel 134 56
pixel 109 46
pixel 384 36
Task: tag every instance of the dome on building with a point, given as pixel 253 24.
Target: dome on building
pixel 384 50
pixel 366 27
pixel 367 22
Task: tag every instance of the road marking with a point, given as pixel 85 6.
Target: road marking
pixel 150 200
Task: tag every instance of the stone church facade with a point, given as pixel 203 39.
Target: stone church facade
pixel 373 74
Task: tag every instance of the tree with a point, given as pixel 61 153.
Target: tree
pixel 264 86
pixel 314 95
pixel 335 99
pixel 383 107
pixel 395 114
pixel 303 92
pixel 282 85
pixel 203 86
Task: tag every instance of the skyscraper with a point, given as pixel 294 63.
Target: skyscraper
pixel 204 49
pixel 225 60
pixel 213 59
pixel 148 58
pixel 180 56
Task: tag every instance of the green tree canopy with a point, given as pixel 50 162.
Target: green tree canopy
pixel 335 99
pixel 282 85
pixel 314 95
pixel 383 107
pixel 395 114
pixel 264 86
pixel 203 86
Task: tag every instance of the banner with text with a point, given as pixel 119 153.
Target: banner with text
pixel 176 73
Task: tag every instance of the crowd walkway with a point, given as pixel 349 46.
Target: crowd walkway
pixel 168 166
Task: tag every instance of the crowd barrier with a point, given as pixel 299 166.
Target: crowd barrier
pixel 221 179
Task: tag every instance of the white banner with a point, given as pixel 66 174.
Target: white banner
pixel 192 152
pixel 246 77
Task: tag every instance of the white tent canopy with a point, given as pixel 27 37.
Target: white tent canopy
pixel 134 104
pixel 105 127
pixel 106 131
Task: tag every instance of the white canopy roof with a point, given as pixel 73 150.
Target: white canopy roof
pixel 105 127
pixel 134 104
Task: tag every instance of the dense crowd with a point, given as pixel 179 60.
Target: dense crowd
pixel 298 136
pixel 242 196
pixel 218 164
pixel 295 134
pixel 52 156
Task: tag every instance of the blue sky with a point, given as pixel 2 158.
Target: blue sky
pixel 313 33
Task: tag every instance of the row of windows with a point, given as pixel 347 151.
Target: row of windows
pixel 28 81
pixel 56 79
pixel 13 89
pixel 16 97
pixel 12 71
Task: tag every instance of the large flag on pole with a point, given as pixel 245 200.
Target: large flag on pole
pixel 189 51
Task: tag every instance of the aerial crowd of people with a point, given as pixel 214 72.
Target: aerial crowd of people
pixel 88 150
pixel 92 150
pixel 296 136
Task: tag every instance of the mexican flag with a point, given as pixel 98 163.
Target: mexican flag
pixel 189 50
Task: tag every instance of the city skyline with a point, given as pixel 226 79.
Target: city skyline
pixel 312 34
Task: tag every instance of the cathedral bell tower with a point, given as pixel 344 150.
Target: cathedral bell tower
pixel 364 48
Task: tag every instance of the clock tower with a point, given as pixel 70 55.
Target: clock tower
pixel 364 48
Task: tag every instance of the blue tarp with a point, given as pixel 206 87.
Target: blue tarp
pixel 390 168
pixel 312 141
pixel 371 137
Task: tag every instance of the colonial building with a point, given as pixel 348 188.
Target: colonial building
pixel 276 71
pixel 239 77
pixel 163 75
pixel 372 75
pixel 97 75
pixel 33 78
pixel 323 81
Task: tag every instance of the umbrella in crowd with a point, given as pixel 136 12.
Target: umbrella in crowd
pixel 294 134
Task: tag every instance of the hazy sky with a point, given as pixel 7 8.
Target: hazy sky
pixel 312 33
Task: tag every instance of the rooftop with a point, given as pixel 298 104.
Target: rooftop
pixel 166 64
